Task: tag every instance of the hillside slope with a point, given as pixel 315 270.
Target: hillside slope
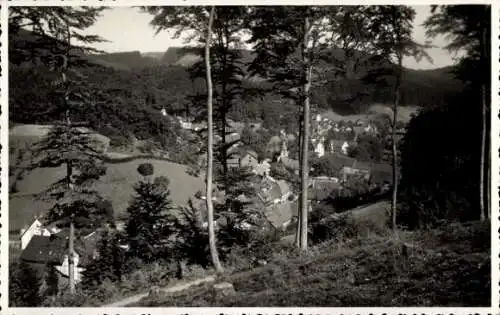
pixel 116 185
pixel 449 266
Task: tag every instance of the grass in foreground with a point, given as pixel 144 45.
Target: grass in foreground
pixel 449 266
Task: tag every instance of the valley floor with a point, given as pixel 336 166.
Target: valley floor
pixel 449 266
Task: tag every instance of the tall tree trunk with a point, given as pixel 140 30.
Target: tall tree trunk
pixel 483 153
pixel 71 258
pixel 210 208
pixel 394 205
pixel 304 163
pixel 71 249
pixel 483 164
pixel 299 211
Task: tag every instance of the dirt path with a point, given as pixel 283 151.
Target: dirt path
pixel 176 288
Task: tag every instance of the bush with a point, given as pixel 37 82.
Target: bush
pixel 145 169
pixel 24 285
pixel 338 228
pixel 80 298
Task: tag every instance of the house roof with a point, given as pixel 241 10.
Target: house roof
pixel 43 249
pixel 52 249
pixel 284 187
pixel 322 189
pixel 249 152
pixel 27 226
pixel 281 213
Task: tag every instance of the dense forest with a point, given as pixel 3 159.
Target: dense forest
pixel 140 86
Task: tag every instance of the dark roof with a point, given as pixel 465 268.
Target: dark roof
pixel 249 152
pixel 43 249
pixel 52 249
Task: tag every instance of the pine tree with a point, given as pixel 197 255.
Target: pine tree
pixel 210 207
pixel 192 238
pixel 109 263
pixel 151 221
pixel 65 145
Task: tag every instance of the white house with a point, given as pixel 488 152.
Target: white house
pixel 319 149
pixel 163 112
pixel 345 148
pixel 262 168
pixel 35 228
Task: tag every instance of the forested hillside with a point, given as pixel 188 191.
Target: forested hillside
pixel 136 87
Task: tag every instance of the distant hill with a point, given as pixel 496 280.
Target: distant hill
pixel 139 85
pixel 158 55
pixel 127 60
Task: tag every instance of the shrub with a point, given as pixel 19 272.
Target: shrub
pixel 65 299
pixel 339 228
pixel 145 169
pixel 24 285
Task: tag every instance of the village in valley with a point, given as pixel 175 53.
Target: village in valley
pixel 119 191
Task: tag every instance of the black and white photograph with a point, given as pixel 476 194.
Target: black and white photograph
pixel 250 156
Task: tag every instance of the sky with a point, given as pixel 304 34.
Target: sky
pixel 128 29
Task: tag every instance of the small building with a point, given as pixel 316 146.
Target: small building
pixel 263 168
pixel 357 168
pixel 35 228
pixel 243 158
pixel 249 159
pixel 53 250
pixel 322 187
pixel 339 146
pixel 281 215
pixel 319 148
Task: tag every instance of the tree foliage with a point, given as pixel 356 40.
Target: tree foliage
pixel 151 221
pixel 109 263
pixel 24 286
pixel 441 150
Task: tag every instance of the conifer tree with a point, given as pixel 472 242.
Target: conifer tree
pixel 109 263
pixel 151 221
pixel 59 44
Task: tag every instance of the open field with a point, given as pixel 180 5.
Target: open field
pixel 117 185
pixel 449 266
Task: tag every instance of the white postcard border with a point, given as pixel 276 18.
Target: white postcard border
pixel 495 176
